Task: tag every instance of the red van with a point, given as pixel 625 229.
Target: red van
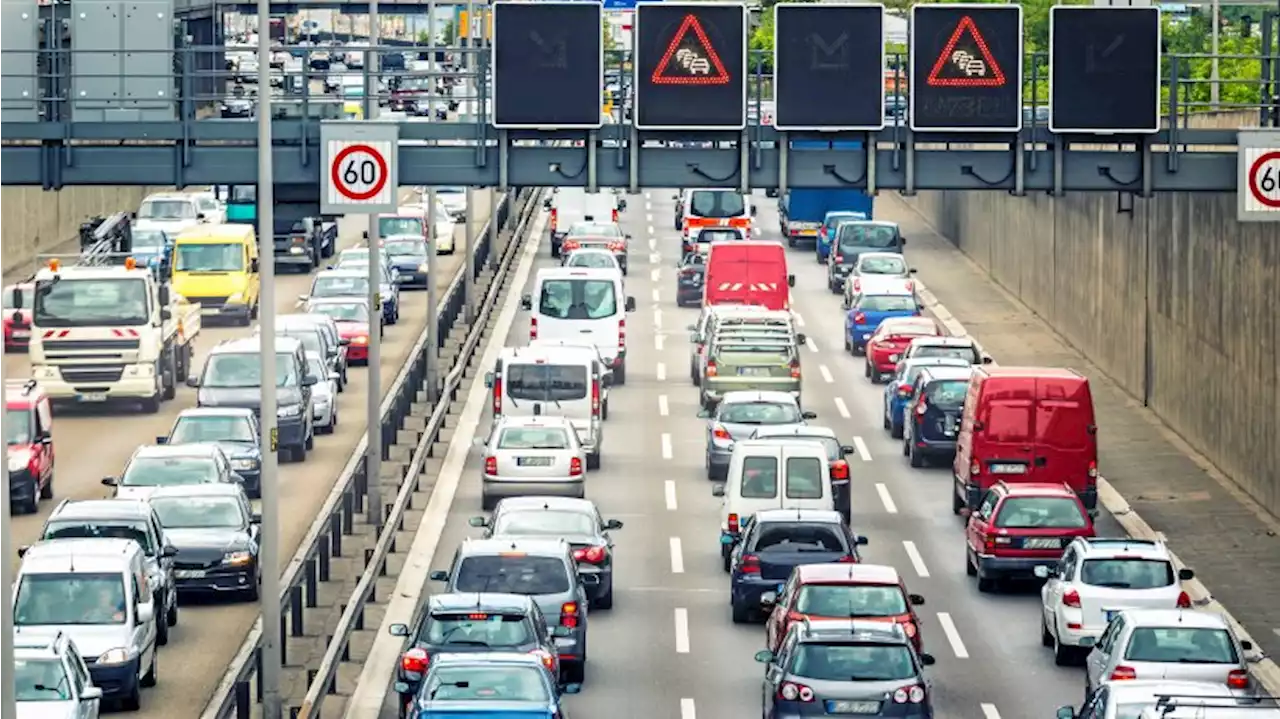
pixel 748 272
pixel 1026 424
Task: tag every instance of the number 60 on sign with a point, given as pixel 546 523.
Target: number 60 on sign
pixel 358 172
pixel 1259 177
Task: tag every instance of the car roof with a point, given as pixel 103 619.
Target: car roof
pixel 219 489
pixel 560 503
pixel 554 346
pixel 339 272
pixel 56 551
pixel 1036 489
pixel 855 630
pixel 816 516
pixel 947 372
pixel 486 659
pixel 789 430
pixel 1100 547
pixel 472 546
pixel 945 341
pixel 302 320
pixel 848 573
pixel 488 601
pixel 1194 618
pixel 754 395
pixel 587 273
pixel 192 449
pixel 342 300
pixel 893 324
pixel 1033 372
pixel 101 509
pixel 254 344
pixel 240 412
pixel 542 420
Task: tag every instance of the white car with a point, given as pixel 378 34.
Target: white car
pixel 324 394
pixel 592 257
pixel 214 211
pixel 1098 578
pixel 47 678
pixel 532 456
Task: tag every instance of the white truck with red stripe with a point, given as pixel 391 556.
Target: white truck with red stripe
pixel 108 333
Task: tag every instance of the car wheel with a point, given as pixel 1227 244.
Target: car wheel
pixel 300 453
pixel 1046 639
pixel 162 630
pixel 884 420
pixel 604 410
pixel 917 460
pixel 310 441
pixel 895 430
pixel 593 461
pixel 741 615
pixel 1063 656
pixel 149 679
pixel 171 618
pixel 31 506
pixel 956 503
pixel 620 374
pixel 986 585
pixel 969 568
pixel 866 370
pixel 604 601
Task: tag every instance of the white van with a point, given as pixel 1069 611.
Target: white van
pixel 592 351
pixel 570 205
pixel 753 484
pixel 582 304
pixel 96 592
pixel 564 382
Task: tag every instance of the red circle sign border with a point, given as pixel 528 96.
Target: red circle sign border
pixel 335 174
pixel 1253 179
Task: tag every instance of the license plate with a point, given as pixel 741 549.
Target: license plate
pixel 1041 543
pixel 21 333
pixel 853 707
pixel 92 397
pixel 533 461
pixel 753 371
pixel 1109 614
pixel 189 573
pixel 1008 469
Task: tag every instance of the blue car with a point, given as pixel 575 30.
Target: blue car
pixel 897 393
pixel 152 248
pixel 409 256
pixel 500 685
pixel 827 233
pixel 867 311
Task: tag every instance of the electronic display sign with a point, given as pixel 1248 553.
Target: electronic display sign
pixel 1104 69
pixel 966 68
pixel 829 66
pixel 548 65
pixel 690 66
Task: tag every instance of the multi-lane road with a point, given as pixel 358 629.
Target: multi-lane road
pixel 92 445
pixel 668 648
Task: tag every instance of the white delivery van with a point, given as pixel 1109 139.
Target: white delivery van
pixel 593 352
pixel 564 382
pixel 769 475
pixel 569 205
pixel 583 304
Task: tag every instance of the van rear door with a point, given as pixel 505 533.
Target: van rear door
pixel 807 479
pixel 1006 441
pixel 755 487
pixel 582 307
pixel 747 273
pixel 1065 443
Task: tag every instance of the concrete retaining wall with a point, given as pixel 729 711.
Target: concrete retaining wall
pixel 1177 302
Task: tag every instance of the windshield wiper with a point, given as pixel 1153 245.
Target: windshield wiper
pixel 460 685
pixel 468 643
pixel 1114 585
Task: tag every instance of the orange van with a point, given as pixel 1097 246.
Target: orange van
pixel 1026 424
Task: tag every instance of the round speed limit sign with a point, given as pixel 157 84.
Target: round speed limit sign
pixel 1264 180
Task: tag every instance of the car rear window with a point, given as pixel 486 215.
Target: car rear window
pixel 1039 513
pixel 512 574
pixel 476 629
pixel 851 600
pixel 578 299
pixel 947 393
pixel 716 204
pixel 753 354
pixel 544 522
pixel 1127 573
pixel 101 529
pixel 845 662
pixel 533 438
pixel 484 685
pixel 804 478
pixel 546 382
pixel 887 303
pixel 759 477
pixel 882 266
pixel 799 537
pixel 388 226
pixel 968 354
pixel 857 234
pixel 759 413
pixel 1181 645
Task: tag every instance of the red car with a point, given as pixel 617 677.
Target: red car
pixel 29 442
pixel 886 347
pixel 351 315
pixel 1018 527
pixel 17 317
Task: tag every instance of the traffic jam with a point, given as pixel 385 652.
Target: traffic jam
pixel 799 554
pixel 113 330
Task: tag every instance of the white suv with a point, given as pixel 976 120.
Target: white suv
pixel 1098 577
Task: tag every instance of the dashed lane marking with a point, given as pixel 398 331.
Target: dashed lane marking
pixel 842 408
pixel 666 446
pixel 669 489
pixel 657 317
pixel 655 257
pixel 663 409
pixel 648 216
pixel 682 630
pixel 861 446
pixel 687 710
pixel 677 556
pixel 654 274
pixel 799 319
pixel 661 371
pixel 886 499
pixel 808 342
pixel 653 244
pixel 989 711
pixel 651 226
pixel 917 561
pixel 658 342
pixel 657 296
pixel 957 644
pixel 826 374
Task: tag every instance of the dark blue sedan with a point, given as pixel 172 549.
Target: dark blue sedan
pixel 409 256
pixel 496 684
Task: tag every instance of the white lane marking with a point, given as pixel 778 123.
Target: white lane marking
pixel 657 317
pixel 826 374
pixel 799 319
pixel 662 405
pixel 653 244
pixel 687 710
pixel 841 408
pixel 653 275
pixel 886 499
pixel 989 711
pixel 655 257
pixel 662 372
pixel 913 554
pixel 651 226
pixel 953 638
pixel 669 489
pixel 666 446
pixel 658 341
pixel 861 446
pixel 682 630
pixel 657 296
pixel 808 342
pixel 677 556
pixel 649 216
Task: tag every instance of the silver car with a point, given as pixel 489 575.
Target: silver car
pixel 49 678
pixel 324 394
pixel 1172 644
pixel 875 264
pixel 738 416
pixel 1128 700
pixel 532 456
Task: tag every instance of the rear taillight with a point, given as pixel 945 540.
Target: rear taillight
pixel 590 555
pixel 857 285
pixel 1093 469
pixel 839 469
pixel 415 661
pixel 795 369
pixel 533 328
pixel 595 398
pixel 909 628
pixel 569 615
pixel 793 692
pixel 922 406
pixel 622 336
pixel 860 318
pixel 1184 600
pixel 1071 599
pixel 750 564
pixel 616 246
pixel 1124 674
pixel 575 467
pixel 733 523
pixel 553 219
pixel 569 246
pixel 839 258
pixel 848 559
pixel 615 215
pixel 1238 679
pixel 721 433
pixel 913 694
pixel 975 468
pixel 992 541
pixel 711 368
pixel 491 466
pixel 497 394
pixel 546 658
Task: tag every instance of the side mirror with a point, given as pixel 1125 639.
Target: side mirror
pixel 754 210
pixel 627 236
pixel 911 271
pixel 109 482
pixel 488 380
pixel 546 204
pixel 561 632
pixel 902 240
pixel 162 440
pixel 398 630
pixel 165 313
pixel 23 550
pixel 253 264
pixel 809 415
pixel 255 518
pixel 146 612
pixel 801 338
pixel 1042 572
pixel 768 599
pixel 692 328
pixel 1186 575
pixel 927 660
pixel 613 524
pixel 860 541
pixel 572 689
pixel 622 205
pixel 478 522
pixel 717 490
pixel 335 376
pixel 193 381
pixel 764 656
pixel 987 359
pixel 90 694
pixel 916 600
pixel 675 197
pixel 200 216
pixel 365 234
pixel 847 450
pixel 344 342
pixel 439 576
pixel 1246 645
pixel 526 302
pixel 309 380
pixel 631 304
pixel 1066 712
pixel 704 414
pixel 791 280
pixel 169 551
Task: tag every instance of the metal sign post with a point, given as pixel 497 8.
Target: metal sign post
pixel 469 257
pixel 433 328
pixel 373 395
pixel 1258 192
pixel 8 701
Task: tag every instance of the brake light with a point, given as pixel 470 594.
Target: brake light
pixel 590 555
pixel 533 328
pixel 975 468
pixel 1071 599
pixel 922 405
pixel 1238 679
pixel 547 659
pixel 860 318
pixel 857 284
pixel 1184 600
pixel 575 467
pixel 415 661
pixel 1093 469
pixel 904 390
pixel 839 469
pixel 847 559
pixel 595 398
pixel 750 564
pixel 616 246
pixel 497 394
pixel 909 628
pixel 721 433
pixel 615 215
pixel 1124 674
pixel 991 541
pixel 622 336
pixel 790 691
pixel 554 213
pixel 795 369
pixel 839 258
pixel 733 523
pixel 569 245
pixel 569 615
pixel 913 694
pixel 491 466
pixel 711 368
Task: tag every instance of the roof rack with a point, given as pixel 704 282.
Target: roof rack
pixel 1169 703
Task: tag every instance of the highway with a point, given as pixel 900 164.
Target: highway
pixel 90 445
pixel 668 648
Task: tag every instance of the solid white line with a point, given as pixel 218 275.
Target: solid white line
pixel 841 408
pixel 861 446
pixel 666 446
pixel 826 374
pixel 886 499
pixel 657 296
pixel 687 710
pixel 677 556
pixel 658 341
pixel 653 274
pixel 913 554
pixel 989 711
pixel 799 319
pixel 662 405
pixel 682 630
pixel 808 342
pixel 662 372
pixel 953 638
pixel 669 489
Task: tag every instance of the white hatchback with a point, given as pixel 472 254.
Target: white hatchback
pixel 532 456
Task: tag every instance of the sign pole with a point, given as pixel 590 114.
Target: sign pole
pixel 433 329
pixel 469 276
pixel 8 701
pixel 373 447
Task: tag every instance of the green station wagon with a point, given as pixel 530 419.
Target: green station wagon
pixel 750 363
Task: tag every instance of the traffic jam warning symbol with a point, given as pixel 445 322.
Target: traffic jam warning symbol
pixel 966 61
pixel 690 58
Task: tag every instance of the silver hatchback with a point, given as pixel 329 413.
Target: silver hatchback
pixel 532 456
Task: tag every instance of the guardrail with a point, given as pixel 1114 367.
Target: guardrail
pixel 323 684
pixel 310 566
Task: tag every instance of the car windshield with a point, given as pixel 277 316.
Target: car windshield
pixel 592 259
pixel 716 204
pixel 719 236
pixel 594 229
pixel 546 382
pixel 148 240
pixel 316 366
pixel 759 413
pixel 844 662
pixel 169 471
pixel 1181 645
pixel 882 266
pixel 886 303
pixel 533 438
pixel 200 512
pixel 342 311
pixel 167 210
pixel 1127 573
pixel 93 302
pixel 851 600
pixel 40 680
pixel 477 629
pixel 947 393
pixel 242 370
pixel 487 684
pixel 798 537
pixel 344 285
pixel 212 428
pixel 310 339
pixel 544 522
pixel 17 425
pixel 73 598
pixel 968 354
pixel 406 248
pixel 1040 513
pixel 388 226
pixel 573 299
pixel 223 257
pixel 512 573
pixel 100 529
pixel 856 235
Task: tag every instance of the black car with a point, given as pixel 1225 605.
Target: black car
pixel 469 623
pixel 855 237
pixel 689 279
pixel 577 521
pixel 931 419
pixel 216 534
pixel 410 257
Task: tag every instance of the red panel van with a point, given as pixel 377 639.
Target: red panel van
pixel 1026 424
pixel 749 273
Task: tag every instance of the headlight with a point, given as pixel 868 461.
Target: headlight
pixel 423 268
pixel 244 464
pixel 237 559
pixel 361 340
pixel 295 250
pixel 119 655
pixel 893 358
pixel 292 410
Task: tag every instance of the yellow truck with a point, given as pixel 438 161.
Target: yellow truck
pixel 216 266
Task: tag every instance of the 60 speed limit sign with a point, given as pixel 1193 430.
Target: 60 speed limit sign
pixel 1258 187
pixel 359 170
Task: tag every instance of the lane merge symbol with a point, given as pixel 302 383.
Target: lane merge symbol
pixel 690 59
pixel 966 61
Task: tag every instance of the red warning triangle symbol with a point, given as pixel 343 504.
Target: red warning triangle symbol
pixel 690 60
pixel 969 65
